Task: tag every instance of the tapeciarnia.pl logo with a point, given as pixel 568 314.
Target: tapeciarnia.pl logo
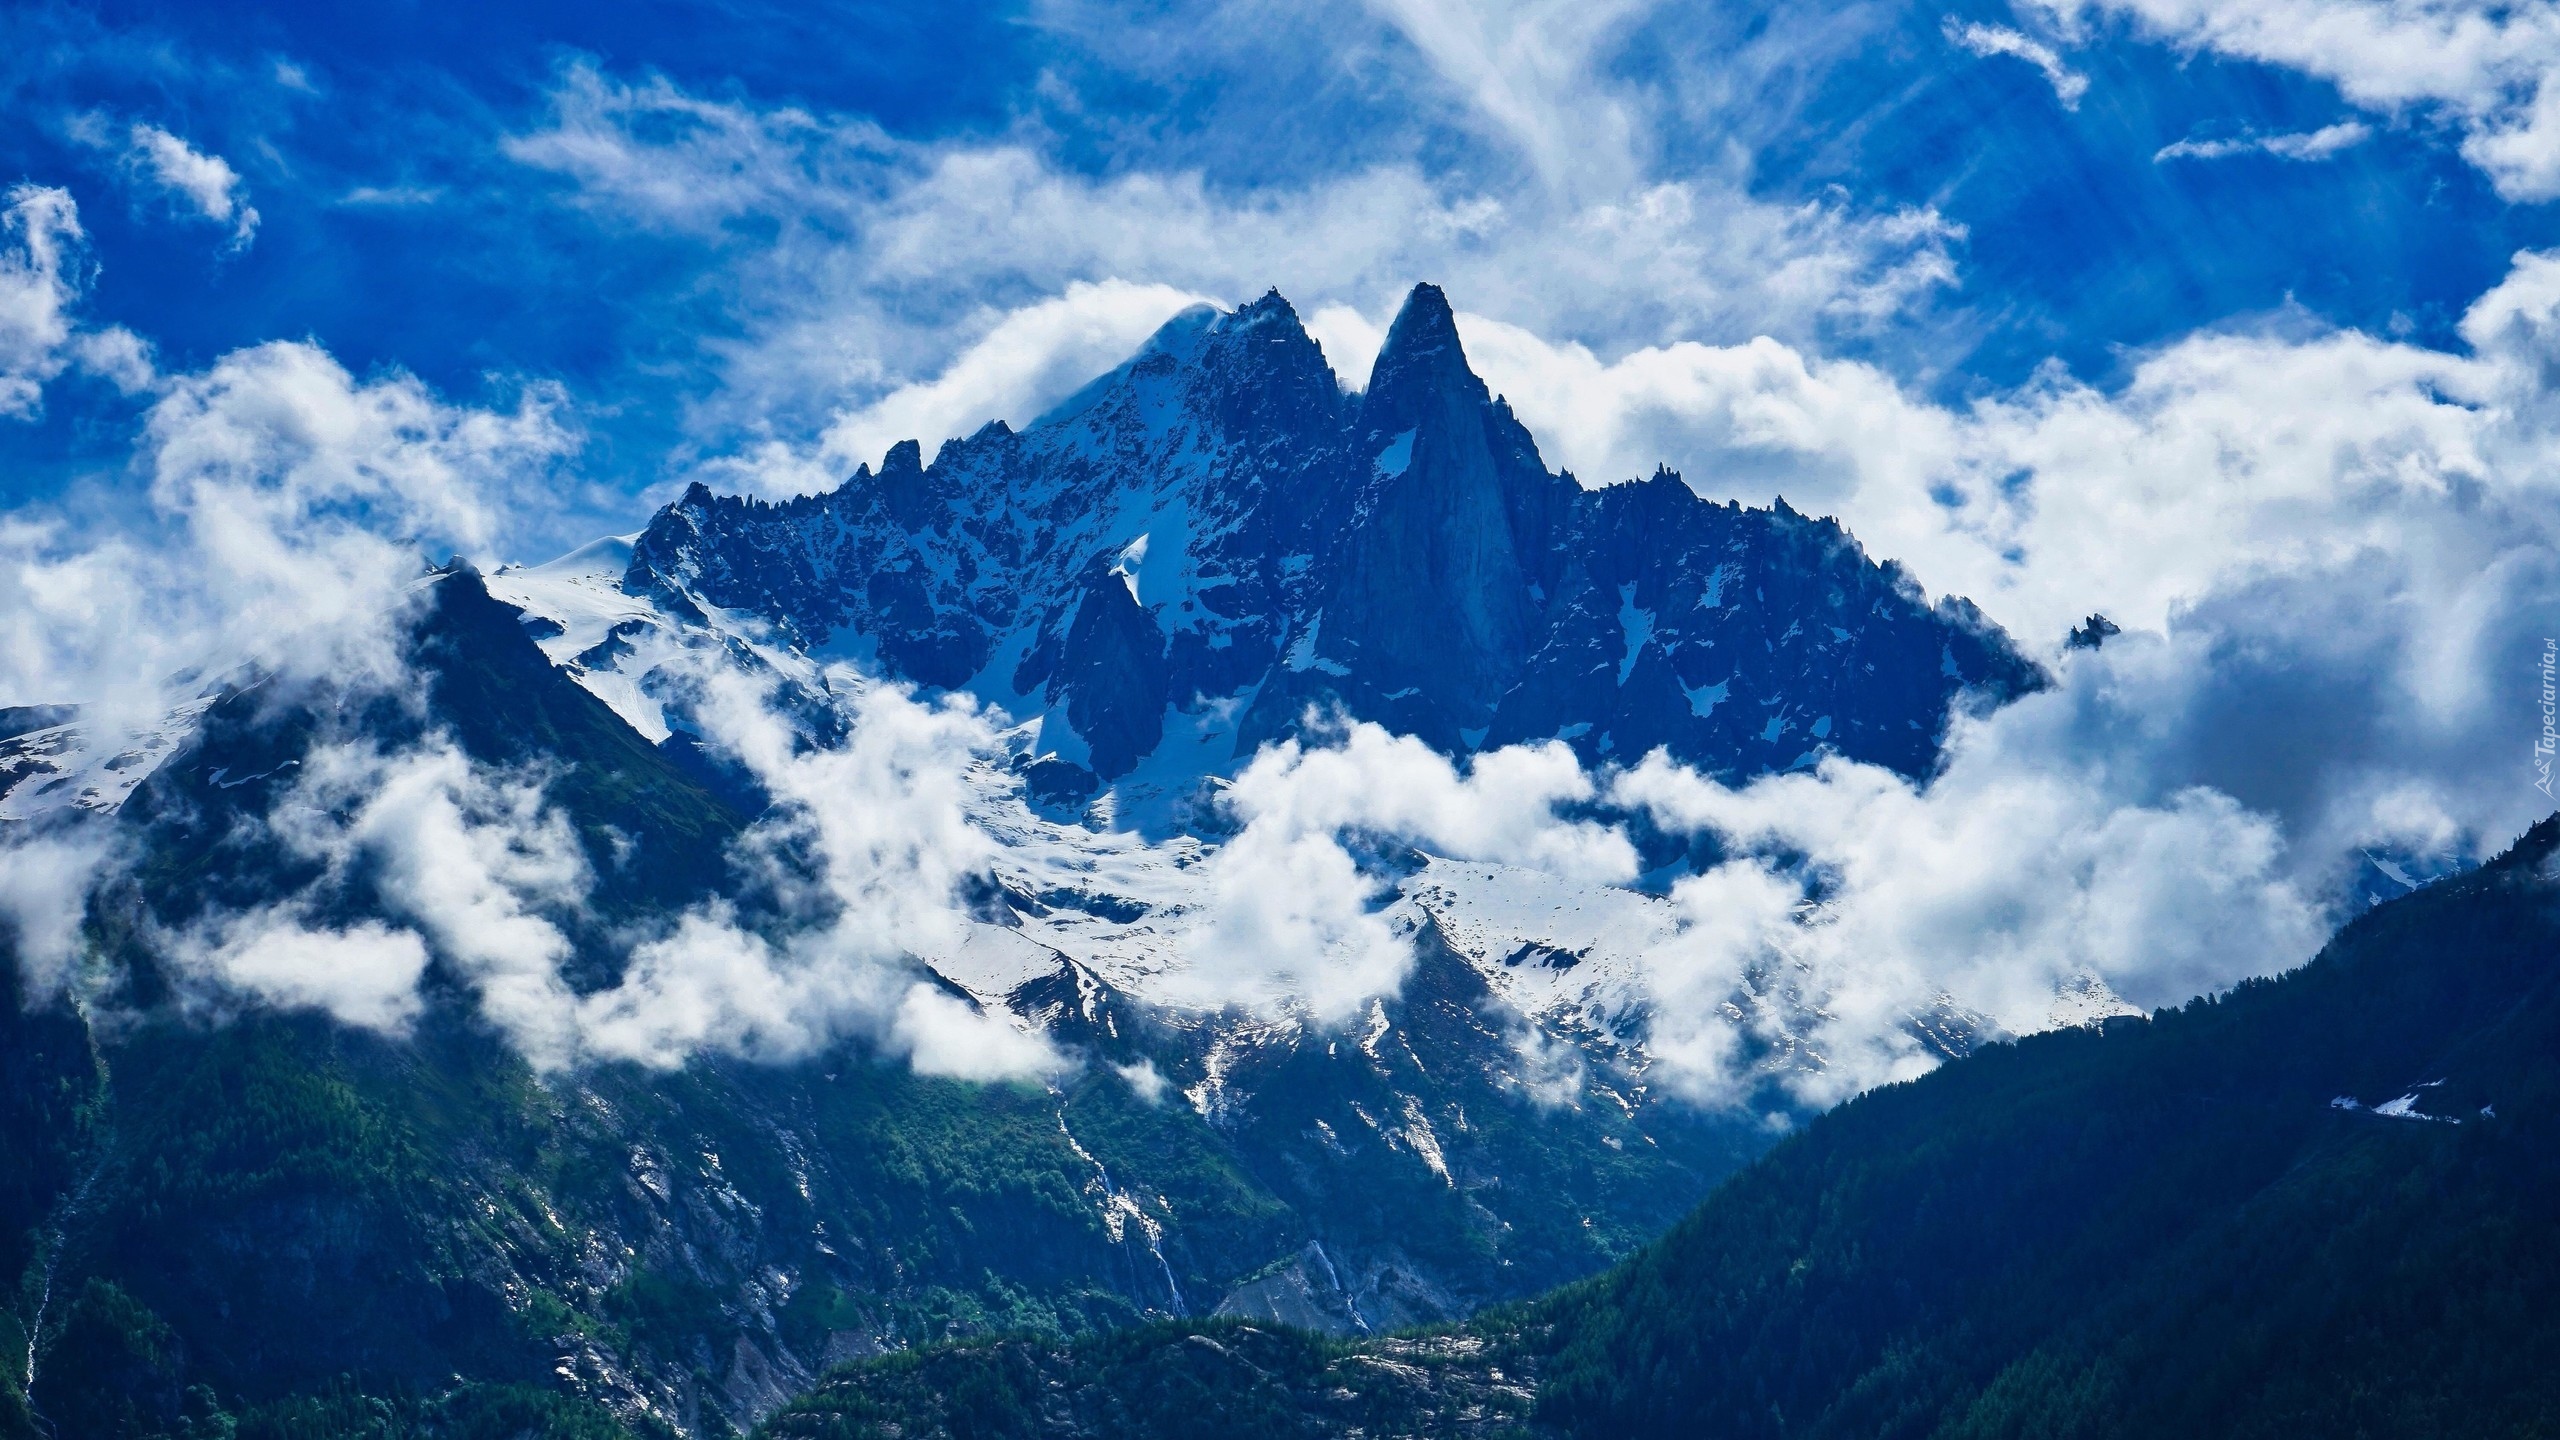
pixel 2544 743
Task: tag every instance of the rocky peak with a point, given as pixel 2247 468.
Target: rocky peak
pixel 1402 555
pixel 901 484
pixel 1433 582
pixel 1421 363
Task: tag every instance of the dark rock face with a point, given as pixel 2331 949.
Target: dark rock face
pixel 1112 674
pixel 1432 593
pixel 1403 556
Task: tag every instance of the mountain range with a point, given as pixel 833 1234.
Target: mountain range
pixel 1205 548
pixel 245 1214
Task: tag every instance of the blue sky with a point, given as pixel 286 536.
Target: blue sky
pixel 402 220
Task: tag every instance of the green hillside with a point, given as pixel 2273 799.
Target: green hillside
pixel 2170 1227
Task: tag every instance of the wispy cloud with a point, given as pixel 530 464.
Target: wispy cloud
pixel 882 265
pixel 2320 144
pixel 1989 40
pixel 2493 71
pixel 392 196
pixel 204 183
pixel 1528 68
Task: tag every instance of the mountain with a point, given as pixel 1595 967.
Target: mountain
pixel 1196 551
pixel 230 1216
pixel 221 1209
pixel 2323 1204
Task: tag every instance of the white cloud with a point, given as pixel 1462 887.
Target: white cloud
pixel 35 294
pixel 1290 917
pixel 2018 868
pixel 392 196
pixel 42 277
pixel 882 817
pixel 1027 361
pixel 364 975
pixel 2491 70
pixel 289 511
pixel 308 500
pixel 1754 419
pixel 1988 40
pixel 1350 341
pixel 944 1035
pixel 45 883
pixel 117 356
pixel 1144 1080
pixel 204 183
pixel 2320 144
pixel 474 860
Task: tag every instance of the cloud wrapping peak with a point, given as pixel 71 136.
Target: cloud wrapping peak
pixel 884 817
pixel 2321 545
pixel 1291 917
pixel 855 872
pixel 289 512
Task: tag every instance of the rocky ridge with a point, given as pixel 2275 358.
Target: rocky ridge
pixel 1215 541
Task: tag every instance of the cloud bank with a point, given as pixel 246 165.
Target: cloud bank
pixel 856 870
pixel 2014 874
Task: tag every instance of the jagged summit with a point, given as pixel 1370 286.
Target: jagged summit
pixel 1421 359
pixel 1280 547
